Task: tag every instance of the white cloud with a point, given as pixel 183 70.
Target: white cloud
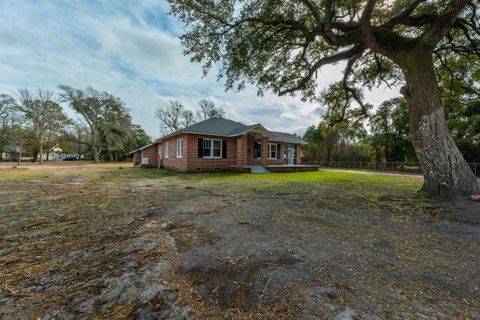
pixel 130 49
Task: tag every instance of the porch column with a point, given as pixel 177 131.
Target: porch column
pixel 242 148
pixel 299 153
pixel 264 151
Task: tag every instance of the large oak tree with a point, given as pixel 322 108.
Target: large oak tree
pixel 281 45
pixel 42 114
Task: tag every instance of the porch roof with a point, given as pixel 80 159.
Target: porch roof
pixel 229 128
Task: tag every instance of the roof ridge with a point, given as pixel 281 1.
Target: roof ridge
pixel 209 119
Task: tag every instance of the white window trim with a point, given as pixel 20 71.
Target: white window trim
pixel 165 150
pixel 270 153
pixel 160 154
pixel 179 151
pixel 212 143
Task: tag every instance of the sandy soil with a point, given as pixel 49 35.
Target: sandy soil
pixel 110 243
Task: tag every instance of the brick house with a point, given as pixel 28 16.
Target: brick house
pixel 219 144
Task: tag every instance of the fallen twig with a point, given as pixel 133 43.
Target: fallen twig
pixel 41 187
pixel 266 284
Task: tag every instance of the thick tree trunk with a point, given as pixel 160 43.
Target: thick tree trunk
pixel 445 171
pixel 329 148
pixel 35 154
pixel 95 155
pixel 40 152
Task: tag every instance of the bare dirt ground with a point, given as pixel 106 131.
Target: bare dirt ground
pixel 97 241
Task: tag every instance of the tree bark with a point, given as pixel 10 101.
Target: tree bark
pixel 95 154
pixel 40 152
pixel 446 173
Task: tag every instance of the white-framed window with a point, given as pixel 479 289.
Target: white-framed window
pixel 212 148
pixel 165 150
pixel 179 148
pixel 273 150
pixel 160 151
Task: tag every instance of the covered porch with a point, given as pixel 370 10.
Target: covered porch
pixel 259 147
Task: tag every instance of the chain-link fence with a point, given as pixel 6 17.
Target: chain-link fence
pixel 413 167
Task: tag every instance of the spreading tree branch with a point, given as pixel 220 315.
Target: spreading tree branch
pixel 443 23
pixel 343 55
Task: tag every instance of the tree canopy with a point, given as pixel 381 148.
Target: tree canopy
pixel 280 45
pixel 110 125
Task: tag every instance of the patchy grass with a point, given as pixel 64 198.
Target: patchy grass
pixel 111 241
pixel 78 169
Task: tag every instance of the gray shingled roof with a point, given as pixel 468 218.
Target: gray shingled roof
pixel 287 137
pixel 226 127
pixel 216 126
pixel 9 149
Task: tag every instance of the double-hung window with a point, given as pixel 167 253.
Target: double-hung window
pixel 179 148
pixel 165 150
pixel 212 148
pixel 273 150
pixel 217 149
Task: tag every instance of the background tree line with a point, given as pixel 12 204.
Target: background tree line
pixel 34 122
pixel 384 136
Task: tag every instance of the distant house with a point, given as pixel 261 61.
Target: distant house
pixel 219 144
pixel 10 153
pixel 54 154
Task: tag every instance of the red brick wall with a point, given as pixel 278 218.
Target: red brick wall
pixel 251 160
pixel 241 146
pixel 299 154
pixel 242 150
pixel 151 154
pixel 136 158
pixel 196 164
pixel 264 160
pixel 172 162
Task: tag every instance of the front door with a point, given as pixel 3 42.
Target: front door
pixel 290 153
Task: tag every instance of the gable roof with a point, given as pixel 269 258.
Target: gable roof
pixel 229 128
pixel 144 147
pixel 216 126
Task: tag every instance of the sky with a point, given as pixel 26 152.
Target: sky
pixel 131 50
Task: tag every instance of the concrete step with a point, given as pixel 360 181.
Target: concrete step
pixel 258 169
